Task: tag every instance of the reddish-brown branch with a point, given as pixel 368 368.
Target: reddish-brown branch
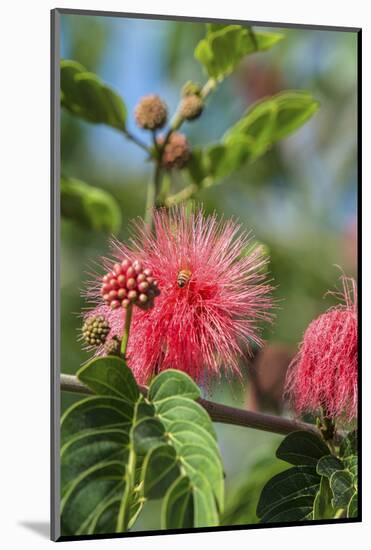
pixel 218 412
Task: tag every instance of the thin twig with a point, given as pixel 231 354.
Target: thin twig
pixel 178 120
pixel 218 412
pixel 208 87
pixel 183 195
pixel 154 186
pixel 153 191
pixel 155 142
pixel 137 141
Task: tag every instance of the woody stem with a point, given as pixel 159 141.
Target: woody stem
pixel 218 412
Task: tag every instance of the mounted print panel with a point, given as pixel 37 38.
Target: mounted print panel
pixel 205 196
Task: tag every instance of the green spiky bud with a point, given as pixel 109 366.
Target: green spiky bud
pixel 95 331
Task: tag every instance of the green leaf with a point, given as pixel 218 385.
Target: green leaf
pixel 96 443
pixel 205 510
pixel 322 506
pixel 329 464
pixel 351 463
pixel 189 503
pixel 183 432
pixel 110 376
pixel 352 510
pixel 272 119
pixel 89 206
pixel 263 124
pixel 196 460
pixel 180 408
pixel 171 383
pixel 178 508
pixel 341 483
pixel 104 443
pixel 212 27
pixel 227 158
pixel 198 167
pixel 320 486
pixel 120 448
pixel 92 413
pixel 148 434
pixel 160 470
pixel 302 448
pixel 225 45
pixel 86 96
pixel 83 498
pixel 289 496
pixel 69 70
pixel 244 493
pixel 349 444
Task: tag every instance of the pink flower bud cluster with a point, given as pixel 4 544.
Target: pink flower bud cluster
pixel 129 283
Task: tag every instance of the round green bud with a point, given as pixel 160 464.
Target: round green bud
pixel 95 330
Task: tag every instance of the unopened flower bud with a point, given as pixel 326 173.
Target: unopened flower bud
pixel 151 113
pixel 191 88
pixel 95 330
pixel 132 295
pixel 142 287
pixel 129 283
pixel 191 107
pixel 177 152
pixel 113 347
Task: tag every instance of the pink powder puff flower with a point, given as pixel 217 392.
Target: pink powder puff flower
pixel 212 295
pixel 324 373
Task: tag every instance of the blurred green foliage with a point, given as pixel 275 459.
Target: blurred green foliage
pixel 89 206
pixel 225 46
pixel 243 498
pixel 83 94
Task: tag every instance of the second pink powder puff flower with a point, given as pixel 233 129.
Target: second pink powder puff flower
pixel 324 374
